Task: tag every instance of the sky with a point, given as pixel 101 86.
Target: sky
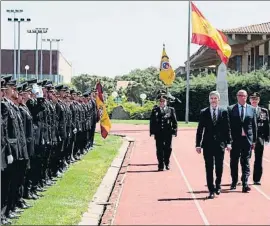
pixel 112 38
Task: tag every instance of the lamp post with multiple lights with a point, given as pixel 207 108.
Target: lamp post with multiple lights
pixel 38 31
pixel 51 40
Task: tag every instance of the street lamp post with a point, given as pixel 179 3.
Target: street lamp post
pixel 19 20
pixel 51 40
pixel 115 95
pixel 143 97
pixel 14 11
pixel 26 69
pixel 38 31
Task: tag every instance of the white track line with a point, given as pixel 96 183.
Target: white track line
pixel 265 159
pixel 258 189
pixel 191 191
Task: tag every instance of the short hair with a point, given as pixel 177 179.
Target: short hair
pixel 214 93
pixel 242 91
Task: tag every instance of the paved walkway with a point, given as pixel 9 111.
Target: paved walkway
pixel 178 196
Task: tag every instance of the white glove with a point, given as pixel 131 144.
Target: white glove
pixel 75 130
pixel 10 159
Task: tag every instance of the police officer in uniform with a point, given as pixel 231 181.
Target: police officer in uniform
pixel 262 138
pixel 163 125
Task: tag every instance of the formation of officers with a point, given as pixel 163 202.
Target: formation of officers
pixel 241 129
pixel 43 131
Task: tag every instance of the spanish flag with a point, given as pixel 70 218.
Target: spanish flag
pixel 203 33
pixel 166 73
pixel 105 123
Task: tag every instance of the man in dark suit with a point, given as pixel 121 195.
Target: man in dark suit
pixel 262 138
pixel 163 125
pixel 213 135
pixel 244 134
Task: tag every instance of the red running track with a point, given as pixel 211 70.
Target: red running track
pixel 178 196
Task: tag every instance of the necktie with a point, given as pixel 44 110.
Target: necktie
pixel 214 117
pixel 242 112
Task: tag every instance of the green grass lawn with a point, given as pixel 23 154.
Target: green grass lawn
pixel 66 201
pixel 146 122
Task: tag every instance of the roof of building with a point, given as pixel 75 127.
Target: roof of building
pixel 260 29
pixel 263 28
pixel 123 84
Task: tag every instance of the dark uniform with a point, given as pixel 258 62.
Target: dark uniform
pixel 163 125
pixel 262 137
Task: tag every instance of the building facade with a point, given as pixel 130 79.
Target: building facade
pixel 250 51
pixel 61 68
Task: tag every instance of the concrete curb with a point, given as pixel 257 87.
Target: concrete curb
pixel 101 197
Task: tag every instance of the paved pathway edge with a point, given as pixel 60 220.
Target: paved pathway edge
pixel 100 199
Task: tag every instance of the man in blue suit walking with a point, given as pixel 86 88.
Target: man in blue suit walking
pixel 244 134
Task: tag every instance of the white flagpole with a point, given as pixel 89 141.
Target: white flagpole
pixel 188 65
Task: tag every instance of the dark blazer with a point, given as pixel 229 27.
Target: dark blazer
pixel 249 123
pixel 162 123
pixel 208 134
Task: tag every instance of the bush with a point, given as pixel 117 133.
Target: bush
pixel 136 111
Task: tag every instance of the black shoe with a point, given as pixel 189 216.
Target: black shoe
pixel 233 186
pixel 167 167
pixel 23 206
pixel 211 195
pixel 257 183
pixel 218 191
pixel 246 189
pixel 12 216
pixel 17 210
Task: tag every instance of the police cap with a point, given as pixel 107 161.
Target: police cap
pixel 19 88
pixel 255 95
pixel 86 94
pixel 73 91
pixel 3 82
pixel 65 88
pixel 162 96
pixel 49 87
pixel 59 87
pixel 42 83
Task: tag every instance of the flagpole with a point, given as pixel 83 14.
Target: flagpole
pixel 188 65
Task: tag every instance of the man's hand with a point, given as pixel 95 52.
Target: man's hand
pixel 10 159
pixel 253 146
pixel 266 143
pixel 199 150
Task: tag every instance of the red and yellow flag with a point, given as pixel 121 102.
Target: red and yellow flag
pixel 166 73
pixel 203 33
pixel 105 122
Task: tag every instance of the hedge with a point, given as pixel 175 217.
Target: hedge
pixel 201 86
